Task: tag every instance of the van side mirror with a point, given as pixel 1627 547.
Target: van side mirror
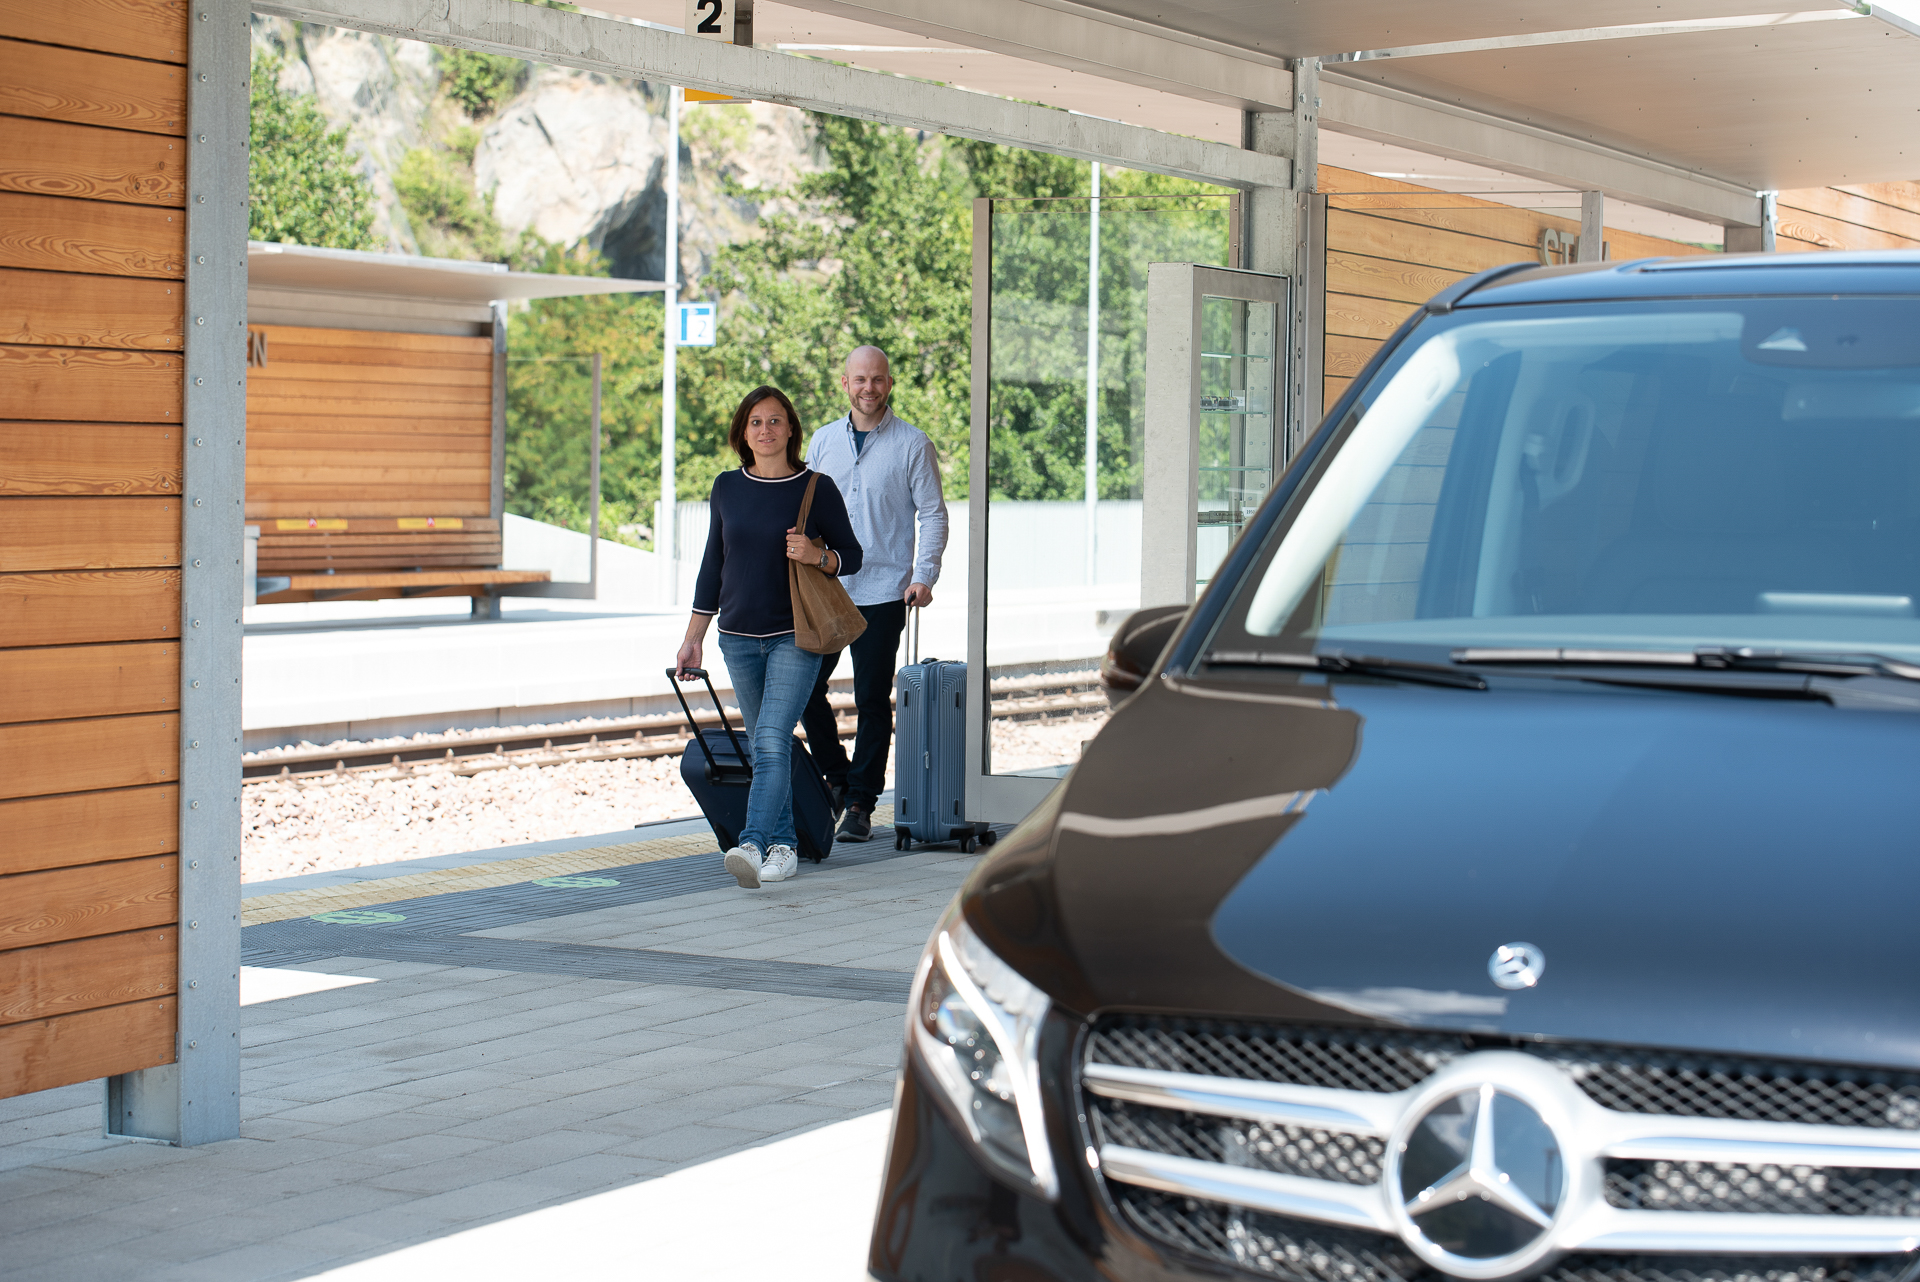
pixel 1136 647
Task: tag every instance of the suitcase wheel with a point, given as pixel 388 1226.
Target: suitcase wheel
pixel 902 839
pixel 987 838
pixel 966 844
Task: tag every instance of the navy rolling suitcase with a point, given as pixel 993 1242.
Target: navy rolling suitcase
pixel 717 768
pixel 930 745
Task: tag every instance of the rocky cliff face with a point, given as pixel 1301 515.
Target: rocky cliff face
pixel 572 156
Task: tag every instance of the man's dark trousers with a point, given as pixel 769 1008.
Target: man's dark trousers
pixel 873 653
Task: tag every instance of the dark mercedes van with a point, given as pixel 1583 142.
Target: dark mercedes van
pixel 1510 866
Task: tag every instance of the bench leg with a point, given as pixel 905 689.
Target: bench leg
pixel 486 606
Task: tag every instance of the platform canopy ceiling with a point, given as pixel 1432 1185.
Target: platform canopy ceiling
pixel 352 271
pixel 1757 94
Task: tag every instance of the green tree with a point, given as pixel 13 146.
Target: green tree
pixel 304 187
pixel 881 257
pixel 480 82
pixel 449 219
pixel 549 389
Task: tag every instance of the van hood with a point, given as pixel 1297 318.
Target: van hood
pixel 1698 871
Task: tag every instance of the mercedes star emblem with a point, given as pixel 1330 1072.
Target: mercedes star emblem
pixel 1480 1179
pixel 1517 965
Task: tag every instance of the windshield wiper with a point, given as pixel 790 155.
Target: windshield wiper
pixel 1710 658
pixel 1363 665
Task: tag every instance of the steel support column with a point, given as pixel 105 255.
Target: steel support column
pixel 196 1099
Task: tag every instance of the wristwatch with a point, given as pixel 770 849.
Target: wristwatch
pixel 823 562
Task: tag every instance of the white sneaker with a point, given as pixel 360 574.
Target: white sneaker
pixel 744 862
pixel 781 864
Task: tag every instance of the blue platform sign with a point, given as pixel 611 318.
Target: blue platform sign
pixel 696 325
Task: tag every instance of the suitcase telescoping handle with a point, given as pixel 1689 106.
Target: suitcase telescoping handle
pixel 913 635
pixel 693 727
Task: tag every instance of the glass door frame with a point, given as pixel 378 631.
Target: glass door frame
pixel 1170 530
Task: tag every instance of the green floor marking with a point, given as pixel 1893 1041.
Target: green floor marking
pixel 358 917
pixel 574 883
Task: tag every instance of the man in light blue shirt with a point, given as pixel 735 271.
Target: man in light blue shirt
pixel 889 475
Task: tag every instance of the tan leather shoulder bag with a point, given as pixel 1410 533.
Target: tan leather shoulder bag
pixel 825 619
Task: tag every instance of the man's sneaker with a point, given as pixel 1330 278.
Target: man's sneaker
pixel 781 864
pixel 855 825
pixel 837 793
pixel 744 862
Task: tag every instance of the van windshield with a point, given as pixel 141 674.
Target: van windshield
pixel 1628 475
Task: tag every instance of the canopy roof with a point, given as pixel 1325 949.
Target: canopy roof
pixel 444 280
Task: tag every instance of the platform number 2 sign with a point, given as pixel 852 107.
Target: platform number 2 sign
pixel 710 19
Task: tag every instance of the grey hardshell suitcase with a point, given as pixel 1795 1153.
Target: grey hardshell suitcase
pixel 930 743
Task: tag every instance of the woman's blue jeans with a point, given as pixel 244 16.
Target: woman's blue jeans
pixel 773 678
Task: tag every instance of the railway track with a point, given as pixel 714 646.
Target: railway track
pixel 1062 696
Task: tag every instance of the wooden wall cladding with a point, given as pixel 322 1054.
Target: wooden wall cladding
pixel 48 233
pixel 88 828
pixel 155 29
pixel 44 1053
pixel 54 158
pixel 58 979
pixel 89 383
pixel 70 607
pixel 355 423
pixel 86 88
pixel 89 533
pixel 1391 245
pixel 40 758
pixel 71 310
pixel 47 682
pixel 93 899
pixel 90 458
pixel 92 332
pixel 1870 216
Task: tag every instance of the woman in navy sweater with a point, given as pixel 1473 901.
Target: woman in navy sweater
pixel 743 579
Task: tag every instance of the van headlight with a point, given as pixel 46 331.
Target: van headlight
pixel 976 1025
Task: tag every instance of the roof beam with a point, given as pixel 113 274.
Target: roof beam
pixel 1061 34
pixel 1368 110
pixel 622 49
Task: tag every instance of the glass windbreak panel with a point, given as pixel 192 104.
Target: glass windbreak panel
pixel 549 469
pixel 1237 372
pixel 1063 501
pixel 1738 473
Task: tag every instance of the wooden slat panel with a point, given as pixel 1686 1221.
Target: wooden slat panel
pixel 1376 237
pixel 45 1053
pixel 309 357
pixel 282 563
pixel 364 525
pixel 1385 278
pixel 1832 233
pixel 1365 317
pixel 47 233
pixel 299 545
pixel 88 534
pixel 1851 206
pixel 42 684
pixel 1901 195
pixel 292 501
pixel 371 342
pixel 88 828
pixel 86 974
pixel 1518 229
pixel 305 428
pixel 277 372
pixel 92 899
pixel 90 383
pixel 266 475
pixel 1334 389
pixel 52 158
pixel 70 607
pixel 68 310
pixel 45 757
pixel 140 28
pixel 1348 356
pixel 406 580
pixel 92 88
pixel 89 458
pixel 465 406
pixel 332 444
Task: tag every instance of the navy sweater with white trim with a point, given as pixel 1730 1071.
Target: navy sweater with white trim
pixel 743 577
